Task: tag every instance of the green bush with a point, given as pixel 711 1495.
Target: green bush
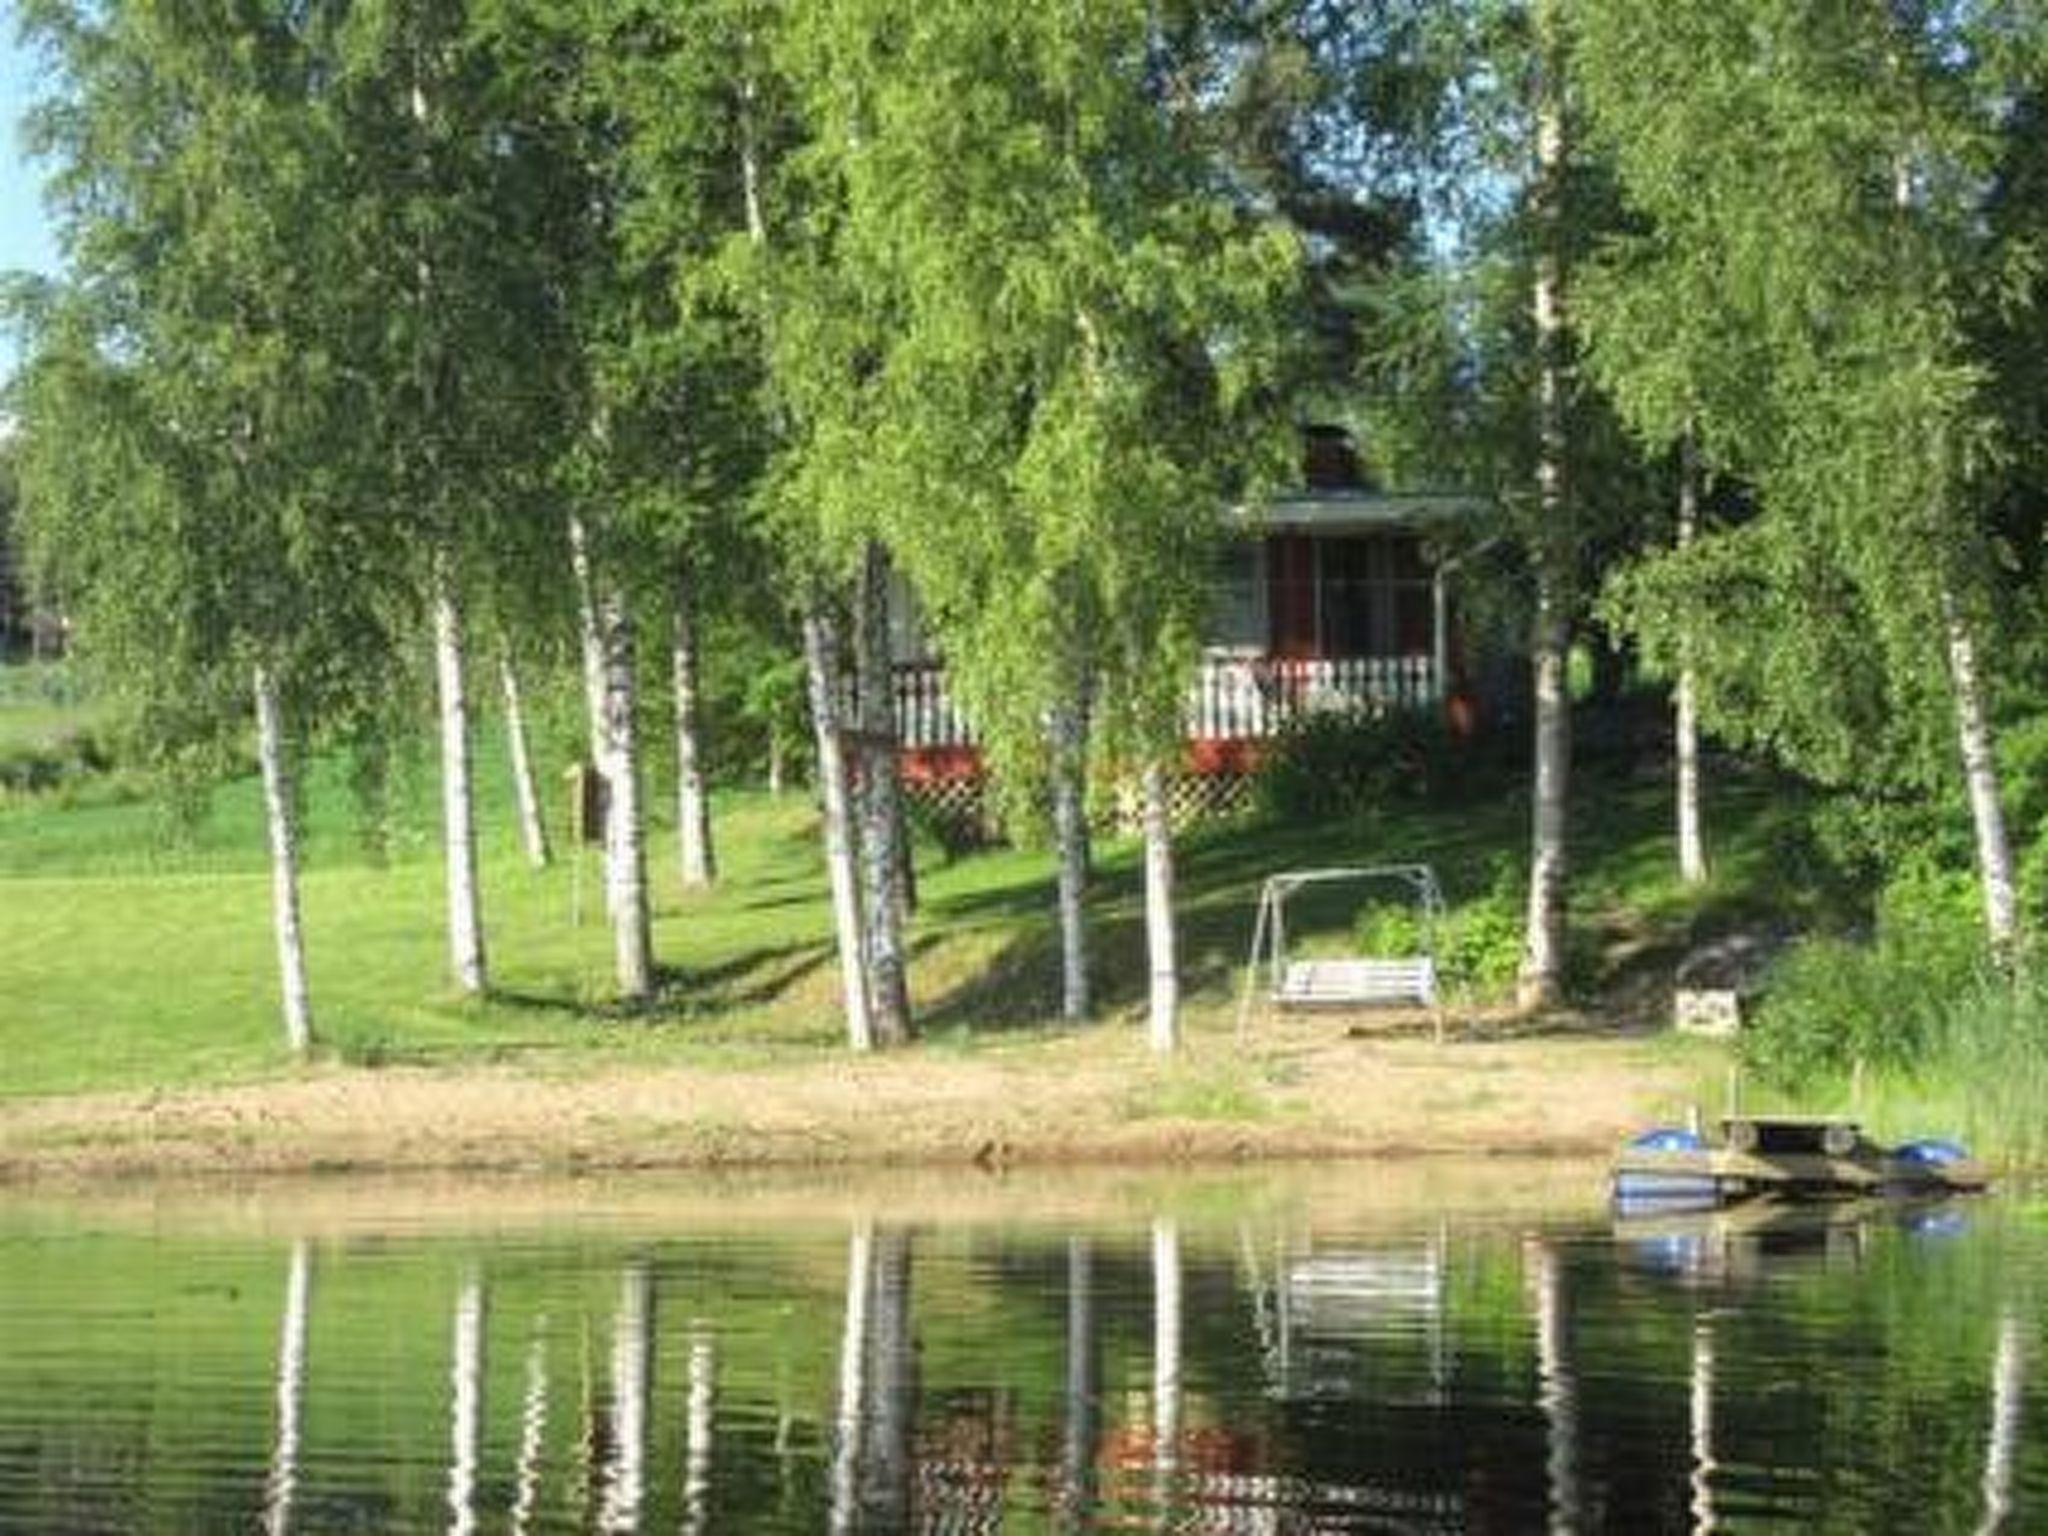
pixel 1834 1003
pixel 1477 943
pixel 34 767
pixel 50 683
pixel 1332 764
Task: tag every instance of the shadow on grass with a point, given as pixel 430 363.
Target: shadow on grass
pixel 682 994
pixel 985 951
pixel 1632 927
pixel 1019 985
pixel 757 977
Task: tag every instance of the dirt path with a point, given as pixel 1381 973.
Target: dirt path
pixel 1306 1089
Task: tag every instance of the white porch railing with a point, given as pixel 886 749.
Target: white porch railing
pixel 1256 696
pixel 925 716
pixel 1232 698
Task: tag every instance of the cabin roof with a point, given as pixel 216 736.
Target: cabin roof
pixel 1353 511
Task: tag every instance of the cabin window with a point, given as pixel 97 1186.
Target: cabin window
pixel 1350 610
pixel 1374 596
pixel 1237 607
pixel 909 637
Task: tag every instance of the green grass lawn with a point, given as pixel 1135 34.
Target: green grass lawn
pixel 136 950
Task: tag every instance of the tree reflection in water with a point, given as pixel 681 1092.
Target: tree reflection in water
pixel 283 1480
pixel 698 1431
pixel 1254 1372
pixel 465 1382
pixel 2002 1445
pixel 1702 1403
pixel 853 1355
pixel 533 1426
pixel 625 1479
pixel 1081 1419
pixel 1558 1388
pixel 1166 1376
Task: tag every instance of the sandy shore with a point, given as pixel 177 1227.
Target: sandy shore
pixel 1306 1090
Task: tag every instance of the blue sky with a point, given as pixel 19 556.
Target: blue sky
pixel 25 238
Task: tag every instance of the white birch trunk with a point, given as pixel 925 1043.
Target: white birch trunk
pixel 458 819
pixel 821 658
pixel 750 165
pixel 1070 841
pixel 693 805
pixel 281 818
pixel 1542 975
pixel 821 661
pixel 625 840
pixel 1160 943
pixel 533 830
pixel 281 1487
pixel 466 1420
pixel 1692 846
pixel 881 810
pixel 1980 778
pixel 458 829
pixel 774 765
pixel 1973 725
pixel 591 648
pixel 590 642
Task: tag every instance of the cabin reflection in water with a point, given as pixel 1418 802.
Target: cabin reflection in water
pixel 1862 1364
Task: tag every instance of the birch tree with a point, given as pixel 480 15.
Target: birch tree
pixel 533 831
pixel 1474 367
pixel 1850 260
pixel 1062 248
pixel 821 331
pixel 695 851
pixel 669 115
pixel 587 304
pixel 742 129
pixel 1541 980
pixel 439 246
pixel 185 477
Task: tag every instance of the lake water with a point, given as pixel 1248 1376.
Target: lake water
pixel 1330 1351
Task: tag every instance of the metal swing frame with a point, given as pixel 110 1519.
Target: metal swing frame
pixel 1371 981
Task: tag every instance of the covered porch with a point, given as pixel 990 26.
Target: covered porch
pixel 1324 602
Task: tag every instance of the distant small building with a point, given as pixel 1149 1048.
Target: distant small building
pixel 1332 597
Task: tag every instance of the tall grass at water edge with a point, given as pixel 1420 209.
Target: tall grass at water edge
pixel 1968 1060
pixel 1983 1075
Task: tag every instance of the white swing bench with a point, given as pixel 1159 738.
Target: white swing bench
pixel 1343 982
